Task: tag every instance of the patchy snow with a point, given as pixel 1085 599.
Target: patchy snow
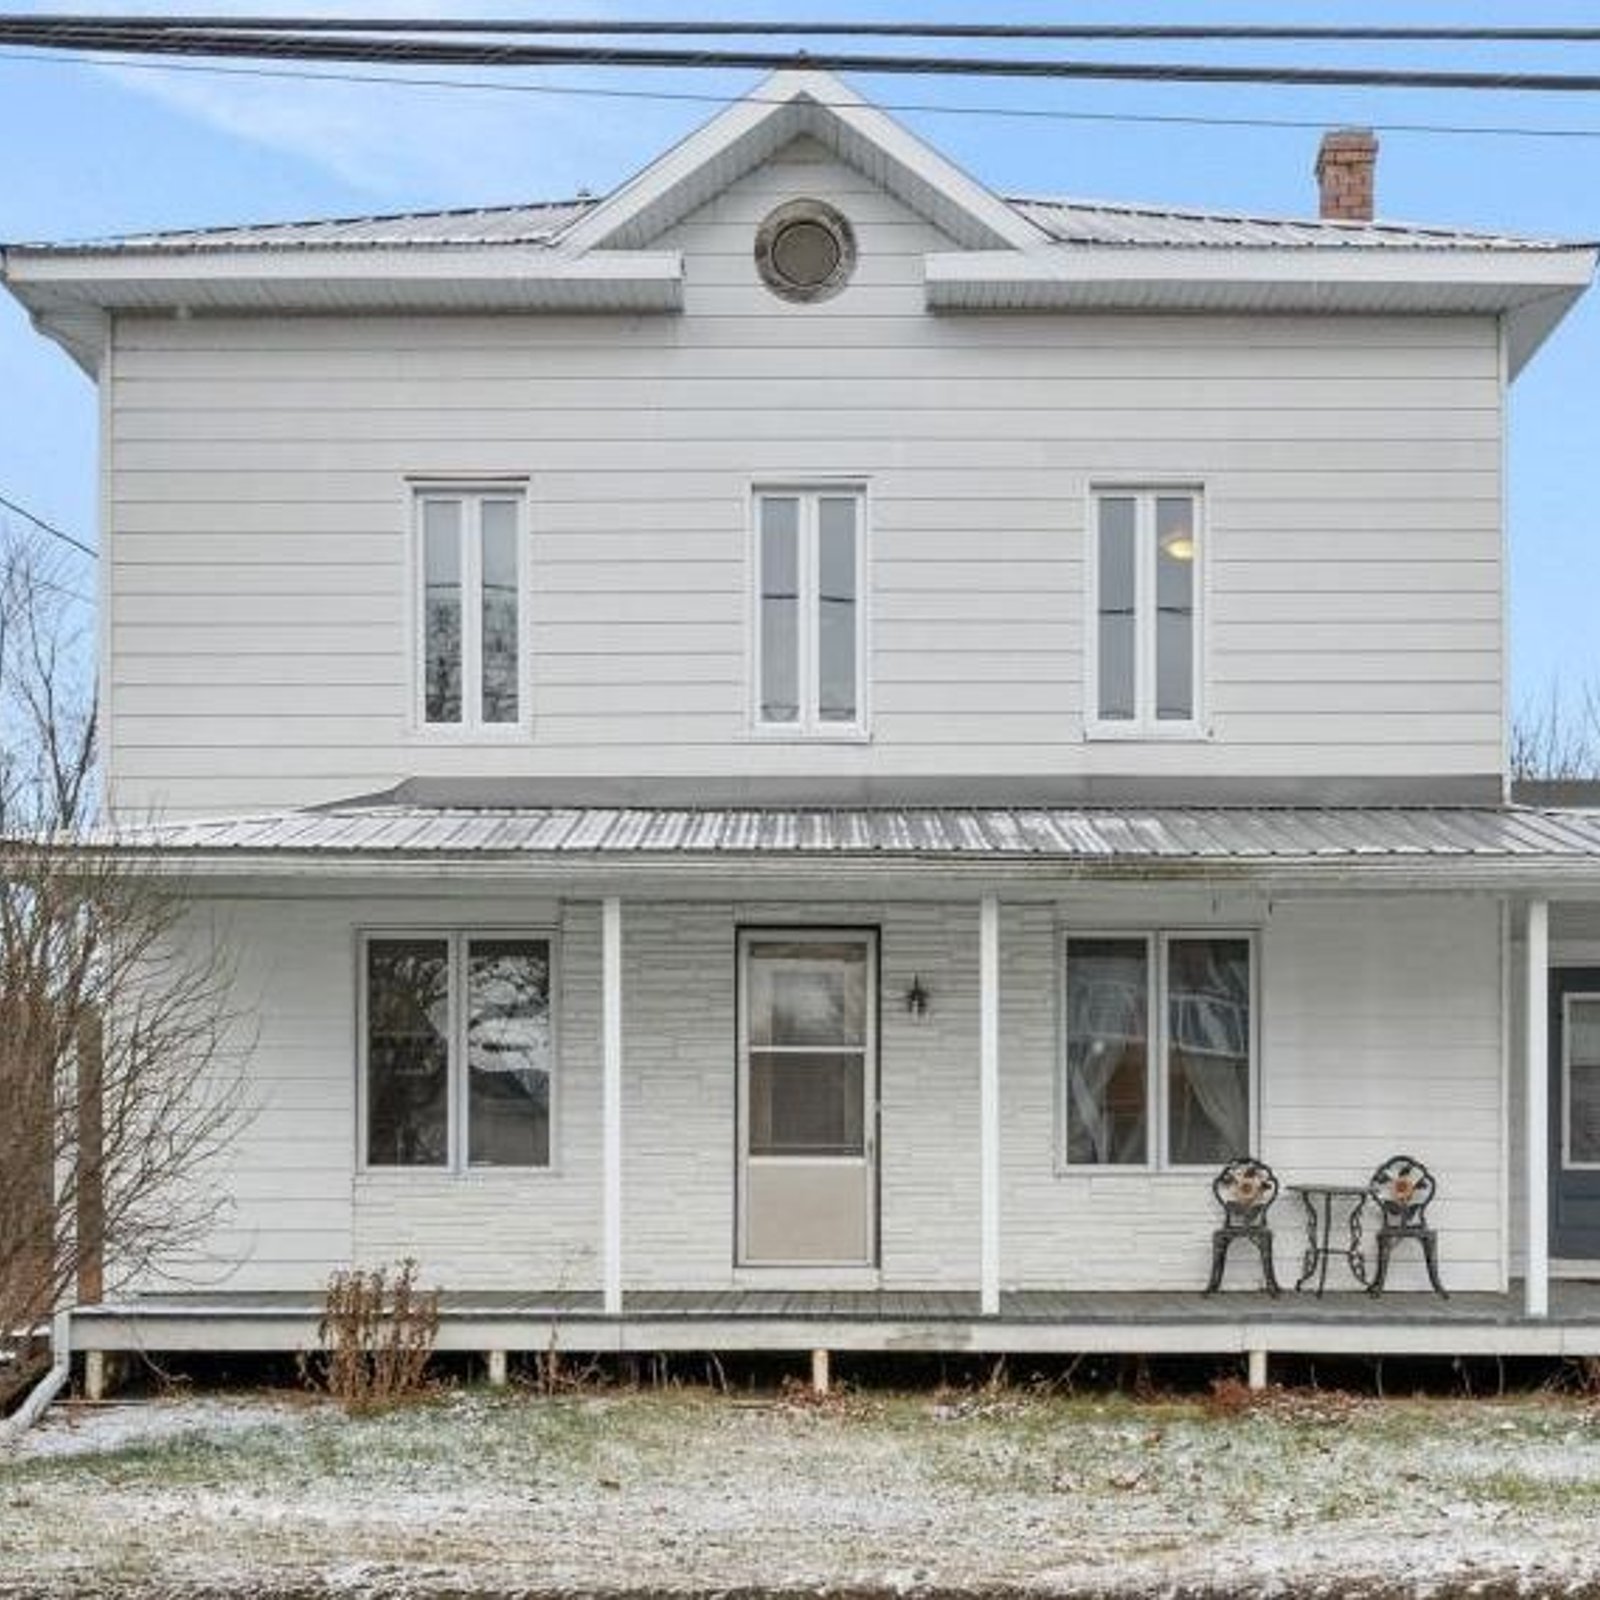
pixel 676 1492
pixel 79 1430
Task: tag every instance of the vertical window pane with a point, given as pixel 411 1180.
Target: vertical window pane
pixel 809 993
pixel 1116 605
pixel 508 1052
pixel 807 1105
pixel 1176 545
pixel 780 608
pixel 441 610
pixel 1583 1083
pixel 498 616
pixel 1108 1031
pixel 408 1053
pixel 1208 1050
pixel 836 609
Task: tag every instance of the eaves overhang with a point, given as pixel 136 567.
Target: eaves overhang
pixel 69 294
pixel 691 876
pixel 1532 290
pixel 699 850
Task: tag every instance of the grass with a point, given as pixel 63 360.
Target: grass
pixel 474 1490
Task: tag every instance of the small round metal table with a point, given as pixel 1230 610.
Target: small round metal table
pixel 1320 1201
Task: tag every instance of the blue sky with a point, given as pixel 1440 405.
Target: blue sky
pixel 96 149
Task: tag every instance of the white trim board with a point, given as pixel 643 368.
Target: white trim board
pixel 781 108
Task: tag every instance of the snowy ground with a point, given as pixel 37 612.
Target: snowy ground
pixel 677 1492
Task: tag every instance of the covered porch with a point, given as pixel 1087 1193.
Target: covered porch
pixel 1402 960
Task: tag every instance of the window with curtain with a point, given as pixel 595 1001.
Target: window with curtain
pixel 1158 1050
pixel 470 566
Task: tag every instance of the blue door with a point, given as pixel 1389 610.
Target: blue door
pixel 1575 1113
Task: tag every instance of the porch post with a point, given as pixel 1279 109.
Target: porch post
pixel 1536 1067
pixel 611 1102
pixel 989 1102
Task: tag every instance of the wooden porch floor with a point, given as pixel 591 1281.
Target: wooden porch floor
pixel 1039 1321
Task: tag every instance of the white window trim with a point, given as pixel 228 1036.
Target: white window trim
pixel 1144 725
pixel 810 729
pixel 457 1167
pixel 1567 1163
pixel 1156 940
pixel 472 729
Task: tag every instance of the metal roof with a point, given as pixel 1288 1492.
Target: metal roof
pixel 1073 222
pixel 1096 222
pixel 537 223
pixel 1106 836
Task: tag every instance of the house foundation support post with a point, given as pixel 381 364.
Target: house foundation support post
pixel 96 1376
pixel 499 1369
pixel 1536 1071
pixel 989 1103
pixel 611 1102
pixel 1256 1369
pixel 821 1375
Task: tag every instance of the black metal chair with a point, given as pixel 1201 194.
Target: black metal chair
pixel 1245 1189
pixel 1402 1189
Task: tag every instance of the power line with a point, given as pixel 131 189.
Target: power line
pixel 383 50
pixel 606 27
pixel 926 108
pixel 50 528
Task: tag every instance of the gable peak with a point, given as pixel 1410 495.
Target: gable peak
pixel 794 103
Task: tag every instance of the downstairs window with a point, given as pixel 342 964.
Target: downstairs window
pixel 457 1050
pixel 1159 1049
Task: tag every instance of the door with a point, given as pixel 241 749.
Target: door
pixel 1575 1113
pixel 808 1111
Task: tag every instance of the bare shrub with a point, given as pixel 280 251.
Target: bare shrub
pixel 1578 1376
pixel 555 1373
pixel 376 1337
pixel 1230 1397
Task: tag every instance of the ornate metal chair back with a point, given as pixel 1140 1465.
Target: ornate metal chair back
pixel 1402 1189
pixel 1245 1189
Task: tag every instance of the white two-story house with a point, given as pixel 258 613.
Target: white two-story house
pixel 795 756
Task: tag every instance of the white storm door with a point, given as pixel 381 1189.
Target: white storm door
pixel 808 1043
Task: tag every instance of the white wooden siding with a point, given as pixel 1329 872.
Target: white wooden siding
pixel 258 526
pixel 1380 1031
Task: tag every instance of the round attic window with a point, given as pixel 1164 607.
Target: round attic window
pixel 805 251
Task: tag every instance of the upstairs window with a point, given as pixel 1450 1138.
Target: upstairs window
pixel 1144 650
pixel 810 566
pixel 470 609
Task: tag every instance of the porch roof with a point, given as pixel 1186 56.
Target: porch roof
pixel 1106 841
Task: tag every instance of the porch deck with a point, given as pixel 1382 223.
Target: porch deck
pixel 1032 1321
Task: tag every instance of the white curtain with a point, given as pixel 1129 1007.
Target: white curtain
pixel 1209 1043
pixel 1107 1030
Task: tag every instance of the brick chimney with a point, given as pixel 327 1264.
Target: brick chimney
pixel 1346 167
